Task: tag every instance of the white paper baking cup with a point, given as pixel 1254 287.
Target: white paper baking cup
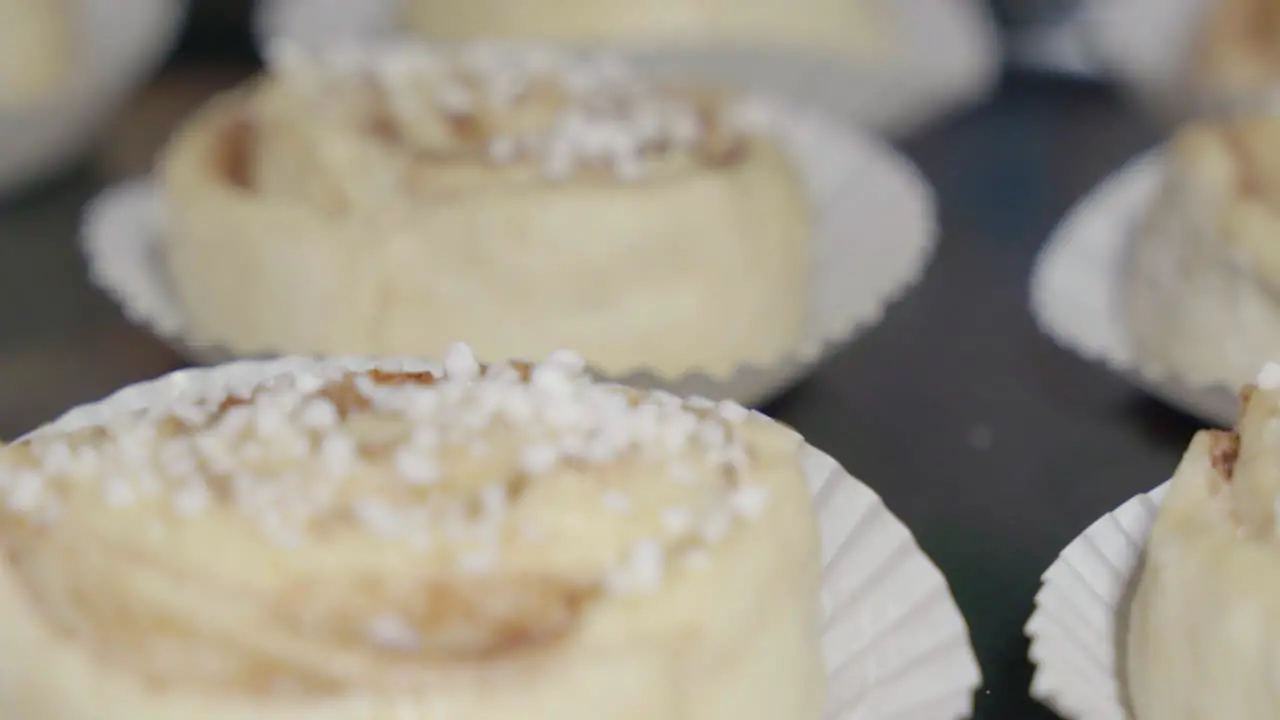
pixel 1077 287
pixel 124 40
pixel 894 641
pixel 948 57
pixel 875 230
pixel 1074 629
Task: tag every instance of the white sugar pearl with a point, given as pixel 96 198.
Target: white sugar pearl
pixel 1269 378
pixel 648 561
pixel 318 414
pixel 733 412
pixel 393 633
pixel 25 491
pixel 118 492
pixel 191 499
pixel 503 150
pixel 616 501
pixel 461 364
pixel 537 459
pixel 337 454
pixel 569 360
pixel 677 520
pixel 416 466
pixel 749 501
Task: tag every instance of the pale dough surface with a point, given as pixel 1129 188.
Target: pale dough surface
pixel 37 50
pixel 138 611
pixel 1205 620
pixel 1203 273
pixel 347 246
pixel 848 28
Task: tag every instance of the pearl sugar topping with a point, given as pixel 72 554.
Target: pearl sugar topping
pixel 1269 377
pixel 610 117
pixel 249 450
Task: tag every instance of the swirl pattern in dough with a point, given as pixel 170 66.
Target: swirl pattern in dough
pixel 386 201
pixel 480 543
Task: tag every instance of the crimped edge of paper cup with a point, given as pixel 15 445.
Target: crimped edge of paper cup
pixel 1087 317
pixel 1074 626
pixel 948 57
pixel 858 271
pixel 893 638
pixel 122 45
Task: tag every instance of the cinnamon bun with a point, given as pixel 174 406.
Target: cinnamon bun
pixel 385 201
pixel 472 542
pixel 1205 618
pixel 837 27
pixel 1203 279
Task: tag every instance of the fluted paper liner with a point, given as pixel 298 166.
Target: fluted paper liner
pixel 1074 629
pixel 122 41
pixel 895 644
pixel 874 223
pixel 1077 288
pixel 947 56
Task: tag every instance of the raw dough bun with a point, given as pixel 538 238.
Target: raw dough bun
pixel 1203 277
pixel 1204 626
pixel 390 209
pixel 478 543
